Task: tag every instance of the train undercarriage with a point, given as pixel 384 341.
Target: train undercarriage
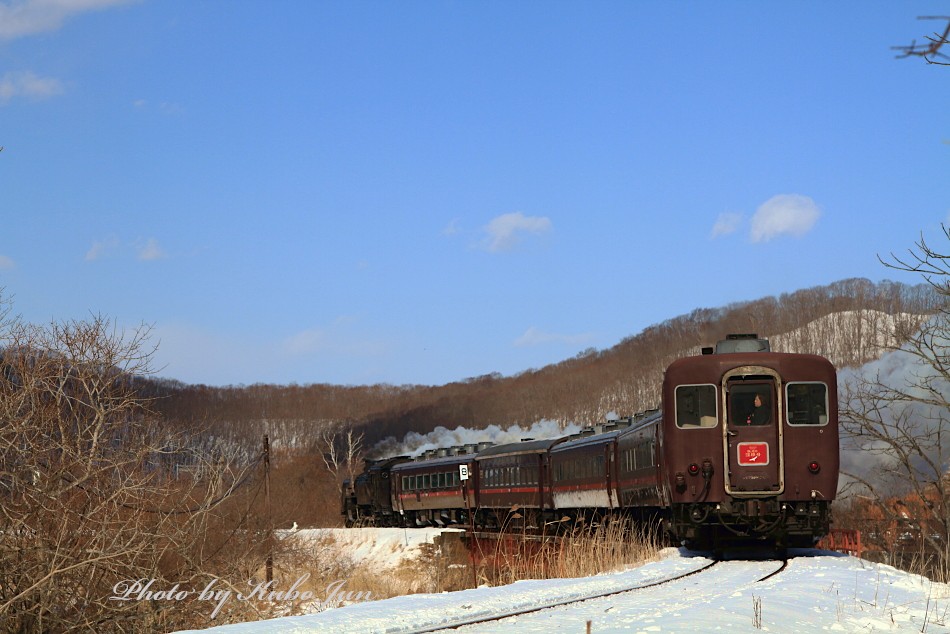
pixel 714 525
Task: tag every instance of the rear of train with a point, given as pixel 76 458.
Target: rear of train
pixel 750 446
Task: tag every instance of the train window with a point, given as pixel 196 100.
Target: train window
pixel 426 481
pixel 750 403
pixel 696 406
pixel 807 403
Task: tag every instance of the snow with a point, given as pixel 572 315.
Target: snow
pixel 818 591
pixel 385 548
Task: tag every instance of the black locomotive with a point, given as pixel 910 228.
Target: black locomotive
pixel 743 450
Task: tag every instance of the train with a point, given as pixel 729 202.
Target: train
pixel 743 450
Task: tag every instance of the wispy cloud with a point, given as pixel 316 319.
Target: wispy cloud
pixel 726 223
pixel 306 341
pixel 151 251
pixel 145 251
pixel 169 108
pixel 785 214
pixel 20 18
pixel 28 85
pixel 6 263
pixel 506 231
pixel 101 248
pixel 336 339
pixel 535 337
pixel 452 228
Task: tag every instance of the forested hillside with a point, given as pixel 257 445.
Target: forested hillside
pixel 847 321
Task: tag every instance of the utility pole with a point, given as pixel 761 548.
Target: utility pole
pixel 269 564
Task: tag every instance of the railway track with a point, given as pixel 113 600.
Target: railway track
pixel 758 578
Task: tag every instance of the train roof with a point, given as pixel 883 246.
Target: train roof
pixel 519 448
pixel 572 442
pixel 791 366
pixel 385 463
pixel 434 462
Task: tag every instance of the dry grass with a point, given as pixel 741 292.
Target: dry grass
pixel 331 577
pixel 612 545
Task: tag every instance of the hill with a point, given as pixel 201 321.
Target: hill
pixel 848 321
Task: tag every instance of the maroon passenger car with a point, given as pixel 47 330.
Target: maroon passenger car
pixel 750 445
pixel 433 492
pixel 514 484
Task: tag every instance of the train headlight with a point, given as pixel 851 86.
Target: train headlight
pixel 814 467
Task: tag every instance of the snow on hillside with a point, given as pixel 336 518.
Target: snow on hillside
pixel 819 590
pixel 848 337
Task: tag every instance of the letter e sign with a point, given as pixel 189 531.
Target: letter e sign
pixel 753 454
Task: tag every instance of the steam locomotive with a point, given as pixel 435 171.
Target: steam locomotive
pixel 744 450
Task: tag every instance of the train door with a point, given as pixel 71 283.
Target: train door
pixel 753 433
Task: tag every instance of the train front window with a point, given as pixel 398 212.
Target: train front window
pixel 807 403
pixel 696 406
pixel 750 404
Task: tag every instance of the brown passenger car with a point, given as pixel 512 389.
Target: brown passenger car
pixel 750 445
pixel 433 492
pixel 514 482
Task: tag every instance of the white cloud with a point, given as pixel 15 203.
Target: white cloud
pixel 340 338
pixel 19 18
pixel 101 248
pixel 112 246
pixel 306 342
pixel 27 84
pixel 785 214
pixel 726 223
pixel 6 263
pixel 152 251
pixel 452 228
pixel 505 231
pixel 535 337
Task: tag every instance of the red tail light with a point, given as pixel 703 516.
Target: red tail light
pixel 693 469
pixel 814 467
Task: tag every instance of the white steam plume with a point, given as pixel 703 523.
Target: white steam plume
pixel 907 372
pixel 414 444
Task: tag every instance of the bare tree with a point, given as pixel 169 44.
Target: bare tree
pixel 931 49
pixel 89 501
pixel 898 418
pixel 341 450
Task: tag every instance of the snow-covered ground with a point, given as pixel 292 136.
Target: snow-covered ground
pixel 384 548
pixel 818 590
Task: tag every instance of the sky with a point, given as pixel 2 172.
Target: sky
pixel 423 192
pixel 817 591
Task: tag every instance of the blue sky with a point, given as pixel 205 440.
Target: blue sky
pixel 420 192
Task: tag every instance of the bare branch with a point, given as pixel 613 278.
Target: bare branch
pixel 932 48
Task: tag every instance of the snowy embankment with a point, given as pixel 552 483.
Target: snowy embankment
pixel 383 548
pixel 818 590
